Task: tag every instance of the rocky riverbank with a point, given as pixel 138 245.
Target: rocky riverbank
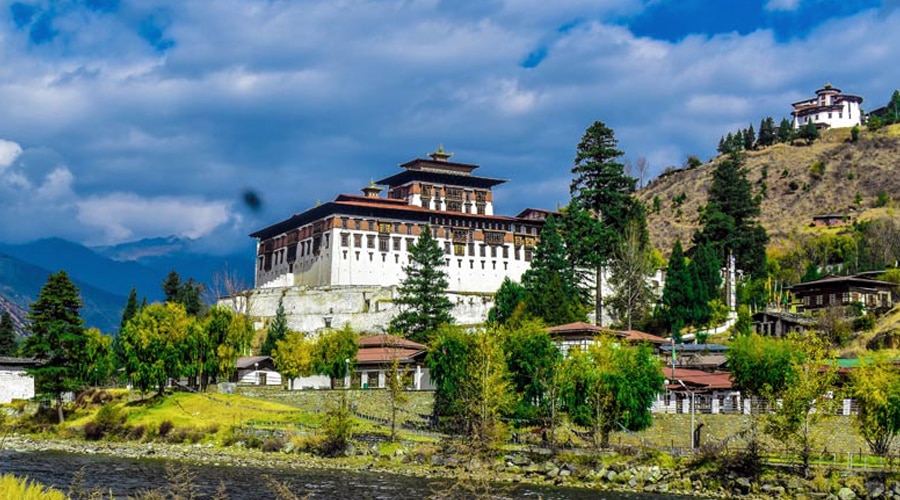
pixel 617 474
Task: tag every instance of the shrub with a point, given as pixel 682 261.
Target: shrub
pixel 272 445
pixel 93 431
pixel 165 427
pixel 793 186
pixel 817 170
pixel 136 433
pixel 883 199
pixel 785 173
pixel 854 133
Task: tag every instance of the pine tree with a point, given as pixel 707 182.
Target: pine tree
pixel 422 295
pixel 785 131
pixel 551 284
pixel 171 286
pixel 131 308
pixel 706 278
pixel 602 190
pixel 58 340
pixel 8 345
pixel 677 297
pixel 766 132
pixel 277 330
pixel 749 138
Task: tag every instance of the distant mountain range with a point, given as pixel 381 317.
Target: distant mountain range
pixel 105 275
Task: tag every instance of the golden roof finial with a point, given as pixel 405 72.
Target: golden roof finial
pixel 371 182
pixel 440 154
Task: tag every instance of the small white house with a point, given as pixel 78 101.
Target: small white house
pixel 828 109
pixel 256 370
pixel 14 382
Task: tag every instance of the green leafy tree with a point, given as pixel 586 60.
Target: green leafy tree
pixel 629 270
pixel 611 386
pixel 875 386
pixel 293 357
pixel 8 344
pixel 507 301
pixel 422 295
pixel 213 347
pixel 677 296
pixel 552 291
pixel 761 366
pixel 57 338
pixel 155 345
pixel 785 131
pixel 278 330
pixel 448 363
pixel 804 401
pixel 601 190
pixel 98 361
pixel 335 353
pixel 486 392
pixel 532 360
pixel 729 223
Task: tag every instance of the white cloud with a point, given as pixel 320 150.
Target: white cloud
pixel 126 216
pixel 9 151
pixel 782 5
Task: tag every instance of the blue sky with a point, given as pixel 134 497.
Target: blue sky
pixel 127 119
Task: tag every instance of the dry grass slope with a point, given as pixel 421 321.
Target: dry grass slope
pixel 795 191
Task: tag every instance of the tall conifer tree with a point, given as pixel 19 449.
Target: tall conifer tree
pixel 552 291
pixel 58 340
pixel 8 345
pixel 422 295
pixel 677 298
pixel 729 222
pixel 278 330
pixel 601 190
pixel 131 308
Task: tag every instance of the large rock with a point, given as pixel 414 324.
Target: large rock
pixel 846 494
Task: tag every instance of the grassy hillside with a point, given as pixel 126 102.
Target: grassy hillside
pixel 798 182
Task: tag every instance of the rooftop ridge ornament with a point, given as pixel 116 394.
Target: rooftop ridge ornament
pixel 440 155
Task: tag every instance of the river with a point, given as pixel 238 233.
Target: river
pixel 126 476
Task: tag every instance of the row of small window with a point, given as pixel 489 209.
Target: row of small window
pixel 840 116
pixel 455 206
pixel 459 262
pixel 386 243
pixel 846 298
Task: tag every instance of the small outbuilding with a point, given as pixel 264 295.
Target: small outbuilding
pixel 256 370
pixel 376 356
pixel 836 291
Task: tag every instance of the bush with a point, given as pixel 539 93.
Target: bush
pixel 272 445
pixel 883 199
pixel 108 422
pixel 785 173
pixel 793 186
pixel 136 433
pixel 165 427
pixel 93 431
pixel 817 170
pixel 23 489
pixel 854 133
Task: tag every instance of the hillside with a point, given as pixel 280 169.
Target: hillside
pixel 20 283
pixel 795 191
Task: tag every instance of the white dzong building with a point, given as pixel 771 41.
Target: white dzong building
pixel 828 109
pixel 363 240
